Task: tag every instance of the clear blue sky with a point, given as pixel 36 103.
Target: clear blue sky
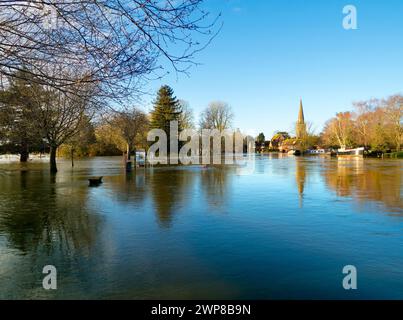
pixel 271 53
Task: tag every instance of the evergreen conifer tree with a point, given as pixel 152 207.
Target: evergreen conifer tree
pixel 167 108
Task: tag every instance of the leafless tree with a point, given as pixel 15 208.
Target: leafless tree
pixel 186 118
pixel 364 119
pixel 340 130
pixel 115 44
pixel 60 117
pixel 218 115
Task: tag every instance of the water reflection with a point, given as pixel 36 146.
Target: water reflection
pixel 170 190
pixel 215 182
pixel 300 176
pixel 129 237
pixel 40 213
pixel 367 180
pixel 128 188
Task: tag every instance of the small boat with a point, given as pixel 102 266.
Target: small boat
pixel 315 152
pixel 358 152
pixel 95 181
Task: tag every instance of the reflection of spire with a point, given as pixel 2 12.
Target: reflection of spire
pixel 300 176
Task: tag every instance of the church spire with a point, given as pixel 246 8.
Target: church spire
pixel 301 126
pixel 301 118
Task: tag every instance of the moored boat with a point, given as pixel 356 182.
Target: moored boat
pixel 357 152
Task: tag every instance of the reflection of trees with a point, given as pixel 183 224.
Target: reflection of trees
pixel 374 180
pixel 214 182
pixel 129 187
pixel 170 188
pixel 39 215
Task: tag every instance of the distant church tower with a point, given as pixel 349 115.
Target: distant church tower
pixel 300 129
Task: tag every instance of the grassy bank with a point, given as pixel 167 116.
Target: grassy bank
pixel 395 155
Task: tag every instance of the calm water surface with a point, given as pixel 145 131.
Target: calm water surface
pixel 281 227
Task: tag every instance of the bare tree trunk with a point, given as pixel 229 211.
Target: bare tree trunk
pixel 135 158
pixel 53 166
pixel 24 153
pixel 128 152
pixel 72 157
pixel 128 163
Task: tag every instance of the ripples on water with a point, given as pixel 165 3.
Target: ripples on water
pixel 281 227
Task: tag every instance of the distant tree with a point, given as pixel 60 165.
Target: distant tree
pixel 394 117
pixel 308 138
pixel 379 140
pixel 218 115
pixel 18 107
pixel 127 128
pixel 278 139
pixel 80 143
pixel 187 118
pixel 340 130
pixel 261 138
pixel 61 116
pixel 376 123
pixel 166 109
pixel 364 120
pixel 105 144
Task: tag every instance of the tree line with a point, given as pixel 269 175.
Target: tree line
pixel 62 63
pixel 37 118
pixel 376 124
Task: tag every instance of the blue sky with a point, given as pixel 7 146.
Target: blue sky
pixel 270 53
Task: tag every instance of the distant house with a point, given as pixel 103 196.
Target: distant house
pixel 278 140
pixel 288 145
pixel 262 147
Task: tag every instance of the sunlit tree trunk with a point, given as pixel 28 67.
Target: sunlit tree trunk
pixel 128 151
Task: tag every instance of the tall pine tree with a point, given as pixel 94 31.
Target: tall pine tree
pixel 166 109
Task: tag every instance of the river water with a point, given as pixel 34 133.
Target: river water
pixel 278 227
